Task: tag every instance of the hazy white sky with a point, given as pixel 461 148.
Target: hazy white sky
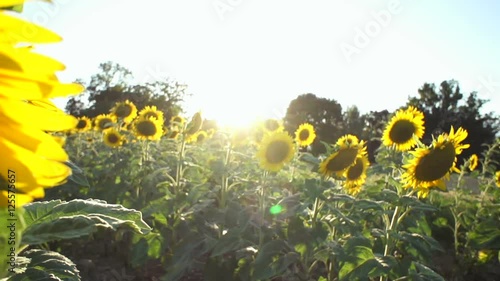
pixel 242 59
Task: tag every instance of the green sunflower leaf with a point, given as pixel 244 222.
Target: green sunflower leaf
pixel 54 220
pixel 47 265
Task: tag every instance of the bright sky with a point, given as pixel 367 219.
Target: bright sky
pixel 242 59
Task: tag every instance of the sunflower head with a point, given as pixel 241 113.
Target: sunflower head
pixel 151 111
pixel 195 124
pixel 401 129
pixel 112 137
pixel 432 165
pixel 197 137
pixel 355 175
pixel 347 141
pixel 104 121
pixel 126 111
pixel 177 121
pixel 497 178
pixel 275 150
pixel 173 133
pixel 148 128
pixel 473 161
pixel 341 159
pixel 272 125
pixel 305 134
pixel 84 124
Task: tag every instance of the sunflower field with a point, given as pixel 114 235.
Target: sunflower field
pixel 129 195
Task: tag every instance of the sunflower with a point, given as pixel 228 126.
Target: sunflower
pixel 126 111
pixel 432 165
pixel 112 137
pixel 198 137
pixel 337 163
pixel 148 128
pixel 272 125
pixel 84 124
pixel 355 175
pixel 104 121
pixel 28 82
pixel 195 124
pixel 497 178
pixel 173 133
pixel 402 127
pixel 151 111
pixel 473 161
pixel 177 120
pixel 347 141
pixel 305 134
pixel 275 150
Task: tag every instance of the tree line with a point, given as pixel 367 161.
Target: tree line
pixel 444 105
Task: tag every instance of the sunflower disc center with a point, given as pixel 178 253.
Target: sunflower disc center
pixel 343 159
pixel 277 152
pixel 146 128
pixel 356 170
pixel 402 131
pixel 304 135
pixel 81 124
pixel 123 111
pixel 113 138
pixel 436 164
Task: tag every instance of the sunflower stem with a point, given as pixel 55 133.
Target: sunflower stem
pixel 180 159
pixel 261 208
pixel 316 208
pixel 224 185
pixel 225 179
pixel 389 228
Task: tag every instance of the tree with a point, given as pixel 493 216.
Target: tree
pixel 113 83
pixel 324 114
pixel 444 108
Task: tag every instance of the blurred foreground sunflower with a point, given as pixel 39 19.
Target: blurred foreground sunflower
pixel 305 134
pixel 402 128
pixel 28 80
pixel 112 137
pixel 125 111
pixel 432 165
pixel 148 128
pixel 275 150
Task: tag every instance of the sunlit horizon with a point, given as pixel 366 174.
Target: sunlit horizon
pixel 251 60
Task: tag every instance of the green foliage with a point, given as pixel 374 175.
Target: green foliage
pixel 47 265
pixel 55 220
